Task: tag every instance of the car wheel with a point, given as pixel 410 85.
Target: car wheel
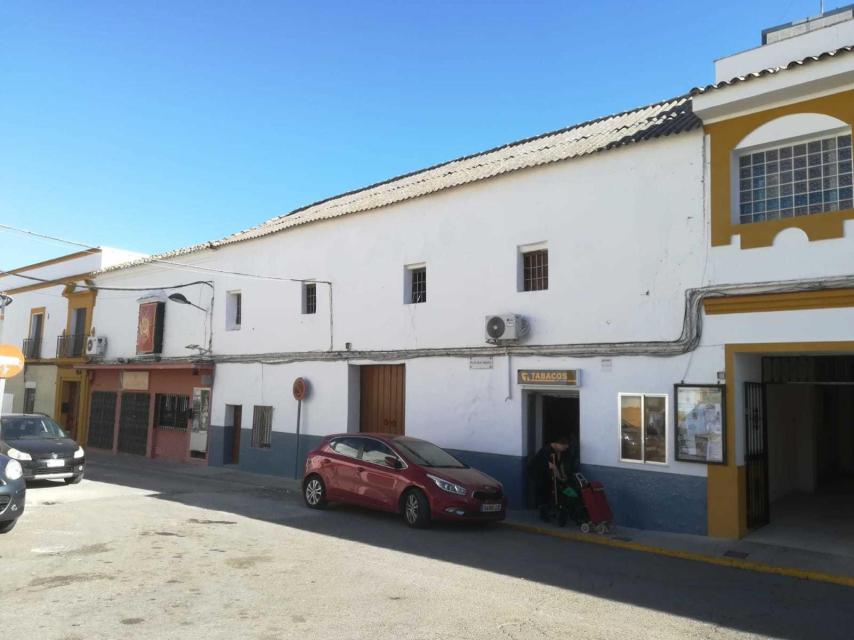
pixel 74 479
pixel 314 492
pixel 6 527
pixel 416 509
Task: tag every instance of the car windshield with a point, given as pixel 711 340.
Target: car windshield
pixel 428 455
pixel 29 428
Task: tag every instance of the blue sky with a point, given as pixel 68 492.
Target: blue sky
pixel 153 125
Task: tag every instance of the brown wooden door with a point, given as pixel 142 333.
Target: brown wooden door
pixel 383 398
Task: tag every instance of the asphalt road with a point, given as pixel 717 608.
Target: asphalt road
pixel 144 552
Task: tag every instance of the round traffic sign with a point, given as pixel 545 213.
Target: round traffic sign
pixel 300 388
pixel 11 361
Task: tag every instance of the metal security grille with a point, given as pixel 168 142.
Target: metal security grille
pixel 133 423
pixel 535 270
pixel 756 455
pixel 419 285
pixel 309 298
pixel 171 411
pixel 102 419
pixel 262 427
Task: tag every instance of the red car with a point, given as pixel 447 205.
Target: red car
pixel 401 475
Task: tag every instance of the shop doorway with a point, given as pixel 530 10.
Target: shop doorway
pixel 69 407
pixel 551 416
pixel 799 452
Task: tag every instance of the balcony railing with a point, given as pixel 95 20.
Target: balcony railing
pixel 70 345
pixel 32 348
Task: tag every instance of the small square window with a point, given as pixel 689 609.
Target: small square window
pixel 535 270
pixel 309 297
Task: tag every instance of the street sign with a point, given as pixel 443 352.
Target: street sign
pixel 300 389
pixel 11 361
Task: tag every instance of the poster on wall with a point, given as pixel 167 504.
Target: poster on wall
pixel 700 423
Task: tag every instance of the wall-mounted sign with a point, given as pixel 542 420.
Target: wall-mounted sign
pixel 149 331
pixel 701 423
pixel 300 388
pixel 480 362
pixel 549 377
pixel 135 380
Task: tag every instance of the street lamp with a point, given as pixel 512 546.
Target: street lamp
pixel 180 298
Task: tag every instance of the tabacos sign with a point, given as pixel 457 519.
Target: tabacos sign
pixel 549 377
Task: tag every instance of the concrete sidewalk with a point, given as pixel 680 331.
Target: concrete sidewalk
pixel 742 554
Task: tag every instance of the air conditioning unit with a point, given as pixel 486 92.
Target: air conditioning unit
pixel 505 327
pixel 96 346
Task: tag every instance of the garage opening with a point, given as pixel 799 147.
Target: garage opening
pixel 551 416
pixel 800 437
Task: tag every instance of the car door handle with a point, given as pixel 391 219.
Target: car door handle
pixel 325 461
pixel 360 469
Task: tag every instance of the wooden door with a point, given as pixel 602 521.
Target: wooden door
pixel 383 399
pixel 69 407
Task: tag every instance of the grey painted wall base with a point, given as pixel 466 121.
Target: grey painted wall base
pixel 653 500
pixel 639 498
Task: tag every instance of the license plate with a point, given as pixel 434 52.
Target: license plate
pixel 491 507
pixel 55 463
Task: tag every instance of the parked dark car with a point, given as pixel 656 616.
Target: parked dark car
pixel 401 475
pixel 41 446
pixel 13 492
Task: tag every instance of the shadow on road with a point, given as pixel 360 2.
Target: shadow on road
pixel 756 603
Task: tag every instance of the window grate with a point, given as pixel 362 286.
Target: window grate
pixel 796 180
pixel 29 400
pixel 262 427
pixel 418 291
pixel 172 411
pixel 309 297
pixel 238 309
pixel 535 270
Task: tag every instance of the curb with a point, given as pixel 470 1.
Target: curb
pixel 735 563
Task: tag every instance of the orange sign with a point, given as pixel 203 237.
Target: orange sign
pixel 11 361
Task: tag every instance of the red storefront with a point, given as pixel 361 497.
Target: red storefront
pixel 156 409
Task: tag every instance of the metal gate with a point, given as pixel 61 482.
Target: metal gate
pixel 756 455
pixel 133 423
pixel 102 419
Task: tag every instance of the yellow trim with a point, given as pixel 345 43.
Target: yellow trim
pixel 68 374
pixel 80 300
pixel 726 488
pixel 724 136
pixel 47 263
pixel 825 299
pixel 50 283
pixel 34 312
pixel 735 563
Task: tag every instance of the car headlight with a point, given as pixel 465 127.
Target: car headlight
pixel 14 470
pixel 79 453
pixel 18 455
pixel 450 487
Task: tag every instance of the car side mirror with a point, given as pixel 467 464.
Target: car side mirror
pixel 393 462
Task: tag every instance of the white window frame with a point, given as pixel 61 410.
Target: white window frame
pixel 643 395
pixel 231 307
pixel 408 270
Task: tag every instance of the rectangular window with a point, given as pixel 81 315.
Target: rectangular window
pixel 233 310
pixel 796 179
pixel 29 400
pixel 262 427
pixel 535 270
pixel 32 347
pixel 171 411
pixel 415 283
pixel 309 297
pixel 643 428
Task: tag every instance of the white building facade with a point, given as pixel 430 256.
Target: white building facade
pixel 634 255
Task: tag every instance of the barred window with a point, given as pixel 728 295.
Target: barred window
pixel 309 297
pixel 535 270
pixel 799 179
pixel 262 427
pixel 171 411
pixel 29 400
pixel 418 291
